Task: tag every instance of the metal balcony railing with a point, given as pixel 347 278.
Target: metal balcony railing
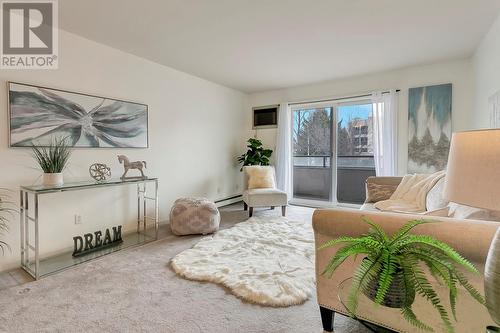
pixel 312 177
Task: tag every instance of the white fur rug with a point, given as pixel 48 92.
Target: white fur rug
pixel 268 261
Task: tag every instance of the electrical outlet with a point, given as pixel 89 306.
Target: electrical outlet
pixel 78 219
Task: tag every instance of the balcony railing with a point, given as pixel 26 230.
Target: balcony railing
pixel 312 177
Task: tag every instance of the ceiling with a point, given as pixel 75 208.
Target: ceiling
pixel 257 45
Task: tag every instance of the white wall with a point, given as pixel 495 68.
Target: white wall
pixel 456 72
pixel 194 131
pixel 486 62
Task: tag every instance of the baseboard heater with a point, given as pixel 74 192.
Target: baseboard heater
pixel 228 200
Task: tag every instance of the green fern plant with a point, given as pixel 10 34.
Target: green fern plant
pixel 53 157
pixel 405 257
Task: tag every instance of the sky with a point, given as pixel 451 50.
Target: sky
pixel 348 112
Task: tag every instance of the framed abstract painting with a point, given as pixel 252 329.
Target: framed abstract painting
pixel 429 128
pixel 38 115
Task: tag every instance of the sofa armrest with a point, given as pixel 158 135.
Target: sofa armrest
pixel 388 181
pixel 384 180
pixel 471 238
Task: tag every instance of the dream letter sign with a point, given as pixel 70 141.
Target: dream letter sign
pixel 92 242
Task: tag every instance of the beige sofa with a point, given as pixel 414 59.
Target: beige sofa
pixel 470 237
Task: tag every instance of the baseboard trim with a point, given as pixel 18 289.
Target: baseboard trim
pixel 228 201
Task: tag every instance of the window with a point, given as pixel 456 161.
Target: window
pixel 332 151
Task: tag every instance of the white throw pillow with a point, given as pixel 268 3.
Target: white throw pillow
pixel 464 212
pixel 434 199
pixel 260 177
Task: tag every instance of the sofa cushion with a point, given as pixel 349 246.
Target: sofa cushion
pixel 435 199
pixel 379 192
pixel 260 177
pixel 441 212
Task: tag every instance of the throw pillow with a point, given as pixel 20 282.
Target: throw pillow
pixel 260 177
pixel 378 192
pixel 435 199
pixel 459 211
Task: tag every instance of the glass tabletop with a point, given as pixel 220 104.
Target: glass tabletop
pixel 85 184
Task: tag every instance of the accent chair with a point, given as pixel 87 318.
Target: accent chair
pixel 267 195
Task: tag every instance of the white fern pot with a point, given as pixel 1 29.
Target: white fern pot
pixel 53 179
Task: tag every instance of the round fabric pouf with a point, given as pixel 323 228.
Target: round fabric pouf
pixel 194 216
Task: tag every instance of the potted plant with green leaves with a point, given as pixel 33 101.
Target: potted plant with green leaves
pixel 394 270
pixel 52 159
pixel 6 213
pixel 256 154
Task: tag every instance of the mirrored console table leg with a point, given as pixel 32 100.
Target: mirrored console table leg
pixel 21 221
pixel 28 250
pixel 142 216
pixel 157 210
pixel 138 207
pixel 37 249
pixel 145 209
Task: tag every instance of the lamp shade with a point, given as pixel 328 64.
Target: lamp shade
pixel 473 173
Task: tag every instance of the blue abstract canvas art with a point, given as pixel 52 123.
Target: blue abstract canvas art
pixel 429 128
pixel 39 114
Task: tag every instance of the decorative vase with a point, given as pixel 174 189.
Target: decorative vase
pixel 53 179
pixel 492 278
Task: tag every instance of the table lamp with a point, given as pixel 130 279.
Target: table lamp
pixel 473 179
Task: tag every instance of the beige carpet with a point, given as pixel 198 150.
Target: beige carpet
pixel 136 291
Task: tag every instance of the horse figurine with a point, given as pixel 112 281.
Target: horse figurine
pixel 127 165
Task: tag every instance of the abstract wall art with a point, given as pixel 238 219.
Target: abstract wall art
pixel 429 128
pixel 37 115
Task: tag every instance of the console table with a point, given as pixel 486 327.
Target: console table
pixel 30 252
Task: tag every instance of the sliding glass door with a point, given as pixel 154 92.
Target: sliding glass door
pixel 354 157
pixel 312 152
pixel 332 152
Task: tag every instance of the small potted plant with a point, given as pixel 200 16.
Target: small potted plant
pixel 393 270
pixel 255 155
pixel 52 159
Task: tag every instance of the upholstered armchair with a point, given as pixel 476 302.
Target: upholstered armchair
pixel 260 190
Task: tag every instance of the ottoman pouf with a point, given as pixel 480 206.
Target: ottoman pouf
pixel 194 216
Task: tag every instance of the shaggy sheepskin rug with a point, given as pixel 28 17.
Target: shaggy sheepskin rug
pixel 268 261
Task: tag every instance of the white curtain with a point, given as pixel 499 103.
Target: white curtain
pixel 385 125
pixel 283 157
